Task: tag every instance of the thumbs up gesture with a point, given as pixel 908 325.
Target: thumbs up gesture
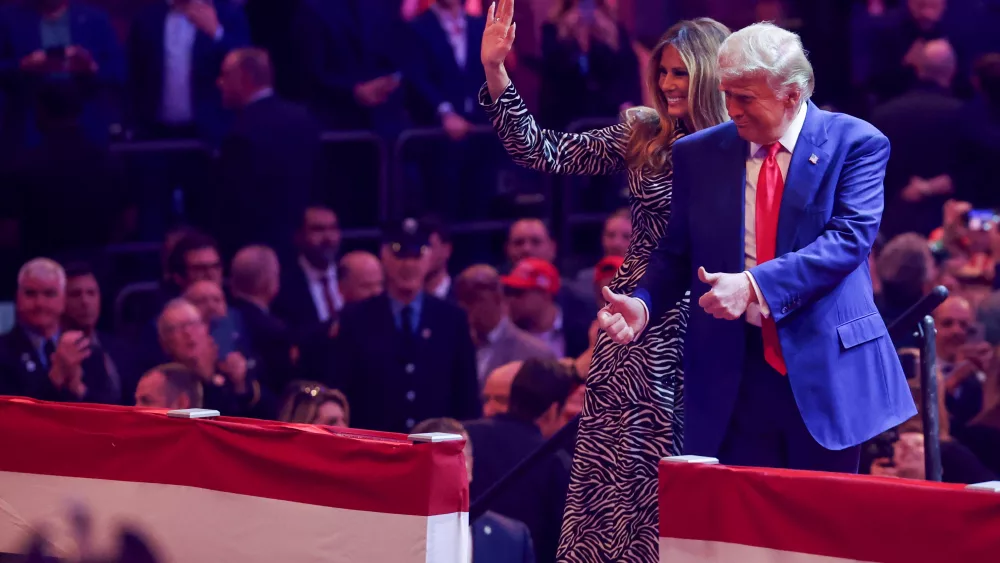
pixel 730 294
pixel 622 318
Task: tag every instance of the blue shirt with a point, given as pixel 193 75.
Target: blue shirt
pixel 39 341
pixel 397 311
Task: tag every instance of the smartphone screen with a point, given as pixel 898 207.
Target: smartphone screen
pixel 983 219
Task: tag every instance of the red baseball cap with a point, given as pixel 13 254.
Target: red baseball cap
pixel 608 266
pixel 533 273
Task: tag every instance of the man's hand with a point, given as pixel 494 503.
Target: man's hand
pixel 80 60
pixel 203 16
pixel 622 318
pixel 455 126
pixel 36 61
pixel 729 297
pixel 376 92
pixel 234 367
pixel 67 361
pixel 916 190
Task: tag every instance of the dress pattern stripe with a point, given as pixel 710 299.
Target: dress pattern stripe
pixel 633 411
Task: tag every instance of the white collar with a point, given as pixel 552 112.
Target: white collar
pixel 317 275
pixel 791 135
pixel 442 288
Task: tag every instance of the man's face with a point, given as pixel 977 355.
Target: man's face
pixel 152 392
pixel 184 334
pixel 529 238
pixel 525 305
pixel 83 301
pixel 954 323
pixel 616 236
pixel 407 274
pixel 320 237
pixel 760 115
pixel 927 13
pixel 484 309
pixel 229 82
pixel 496 390
pixel 202 264
pixel 40 303
pixel 207 296
pixel 440 253
pixel 365 280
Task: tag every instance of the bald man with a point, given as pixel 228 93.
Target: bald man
pixel 360 276
pixel 255 280
pixel 917 179
pixel 498 341
pixel 269 159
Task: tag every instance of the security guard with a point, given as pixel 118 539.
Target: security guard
pixel 406 356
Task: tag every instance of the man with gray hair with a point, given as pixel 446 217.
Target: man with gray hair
pixel 774 215
pixel 40 360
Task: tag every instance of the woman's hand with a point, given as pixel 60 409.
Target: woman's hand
pixel 498 39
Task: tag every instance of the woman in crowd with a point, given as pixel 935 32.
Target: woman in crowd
pixel 308 402
pixel 632 415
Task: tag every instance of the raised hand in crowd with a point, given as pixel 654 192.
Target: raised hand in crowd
pixel 375 92
pixel 605 30
pixel 234 367
pixel 203 15
pixel 455 126
pixel 498 40
pixel 36 61
pixel 67 362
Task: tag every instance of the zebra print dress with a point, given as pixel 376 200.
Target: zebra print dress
pixel 633 411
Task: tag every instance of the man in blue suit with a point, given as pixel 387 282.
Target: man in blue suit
pixel 783 204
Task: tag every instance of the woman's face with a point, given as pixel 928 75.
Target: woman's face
pixel 674 82
pixel 331 414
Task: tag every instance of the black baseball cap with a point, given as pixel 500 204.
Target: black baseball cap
pixel 406 238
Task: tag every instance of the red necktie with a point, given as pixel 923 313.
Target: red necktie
pixel 770 186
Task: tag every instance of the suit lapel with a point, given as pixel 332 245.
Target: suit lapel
pixel 731 168
pixel 805 172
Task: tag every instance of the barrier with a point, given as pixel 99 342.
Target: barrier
pixel 227 489
pixel 711 513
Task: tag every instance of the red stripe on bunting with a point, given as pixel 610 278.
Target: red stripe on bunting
pixel 847 516
pixel 356 470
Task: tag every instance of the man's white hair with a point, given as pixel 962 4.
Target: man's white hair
pixel 766 49
pixel 43 269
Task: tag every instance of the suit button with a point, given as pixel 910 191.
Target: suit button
pixel 410 396
pixel 410 368
pixel 409 423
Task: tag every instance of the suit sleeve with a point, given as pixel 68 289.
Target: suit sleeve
pixel 668 272
pixel 466 385
pixel 799 278
pixel 527 547
pixel 108 54
pixel 318 52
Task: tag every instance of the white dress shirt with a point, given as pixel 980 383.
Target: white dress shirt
pixel 179 35
pixel 317 287
pixel 454 26
pixel 442 288
pixel 757 155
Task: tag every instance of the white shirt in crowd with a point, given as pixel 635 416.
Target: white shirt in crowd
pixel 179 35
pixel 319 280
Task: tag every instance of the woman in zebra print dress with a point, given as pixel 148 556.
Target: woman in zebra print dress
pixel 632 414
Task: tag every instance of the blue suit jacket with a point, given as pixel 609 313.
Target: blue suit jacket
pixel 90 28
pixel 498 539
pixel 842 367
pixel 436 76
pixel 146 60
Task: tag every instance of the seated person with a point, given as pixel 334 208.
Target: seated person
pixel 170 386
pixel 308 402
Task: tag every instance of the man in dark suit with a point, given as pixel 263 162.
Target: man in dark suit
pixel 918 179
pixel 269 158
pixel 353 53
pixel 175 50
pixel 46 41
pixel 40 360
pixel 787 361
pixel 309 294
pixel 405 356
pixel 538 395
pixel 254 281
pixel 495 538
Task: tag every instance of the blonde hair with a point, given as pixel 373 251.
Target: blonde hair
pixel 697 41
pixel 304 398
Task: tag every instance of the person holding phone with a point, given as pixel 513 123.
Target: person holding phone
pixel 632 416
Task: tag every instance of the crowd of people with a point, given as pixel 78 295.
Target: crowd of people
pixel 257 312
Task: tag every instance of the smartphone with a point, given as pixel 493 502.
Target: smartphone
pixel 57 52
pixel 983 219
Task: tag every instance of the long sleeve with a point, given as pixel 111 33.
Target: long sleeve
pixel 466 385
pixel 597 152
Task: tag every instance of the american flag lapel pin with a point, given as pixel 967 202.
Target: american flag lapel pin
pixel 813 159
